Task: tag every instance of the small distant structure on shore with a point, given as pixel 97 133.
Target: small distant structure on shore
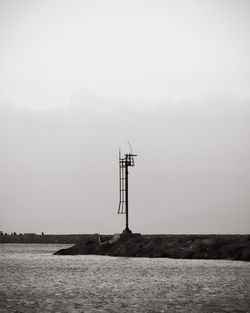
pixel 124 163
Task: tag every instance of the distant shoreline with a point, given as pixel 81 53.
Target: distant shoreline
pixel 35 238
pixel 74 238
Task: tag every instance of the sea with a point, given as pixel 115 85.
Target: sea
pixel 32 279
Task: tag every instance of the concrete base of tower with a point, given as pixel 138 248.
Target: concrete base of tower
pixel 126 232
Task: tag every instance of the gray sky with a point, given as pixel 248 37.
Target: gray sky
pixel 79 78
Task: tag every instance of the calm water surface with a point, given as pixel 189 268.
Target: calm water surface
pixel 33 280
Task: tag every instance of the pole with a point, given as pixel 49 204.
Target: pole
pixel 126 188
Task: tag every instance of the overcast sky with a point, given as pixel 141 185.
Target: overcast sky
pixel 79 78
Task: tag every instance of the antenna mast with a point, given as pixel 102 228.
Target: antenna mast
pixel 124 162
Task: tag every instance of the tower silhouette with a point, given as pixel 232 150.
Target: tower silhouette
pixel 124 163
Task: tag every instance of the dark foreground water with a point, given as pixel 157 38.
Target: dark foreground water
pixel 33 280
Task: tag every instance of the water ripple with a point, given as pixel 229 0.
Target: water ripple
pixel 33 280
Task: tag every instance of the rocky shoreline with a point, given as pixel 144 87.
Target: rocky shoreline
pixel 230 247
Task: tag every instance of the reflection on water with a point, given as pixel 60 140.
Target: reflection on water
pixel 33 280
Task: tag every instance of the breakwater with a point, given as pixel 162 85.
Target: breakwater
pixel 231 247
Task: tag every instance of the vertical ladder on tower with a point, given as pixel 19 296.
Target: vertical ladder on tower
pixel 122 185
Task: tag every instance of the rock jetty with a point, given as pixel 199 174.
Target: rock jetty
pixel 231 247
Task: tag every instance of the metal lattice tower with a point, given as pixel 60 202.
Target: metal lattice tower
pixel 124 163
